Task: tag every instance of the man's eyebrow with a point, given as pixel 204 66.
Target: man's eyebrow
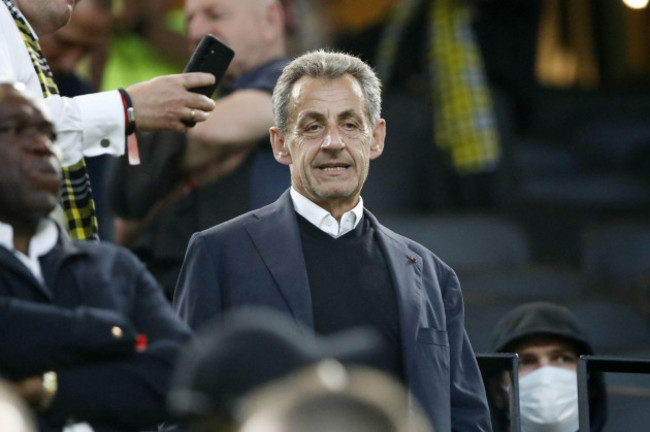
pixel 563 350
pixel 310 115
pixel 349 114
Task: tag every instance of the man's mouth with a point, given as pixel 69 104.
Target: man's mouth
pixel 334 167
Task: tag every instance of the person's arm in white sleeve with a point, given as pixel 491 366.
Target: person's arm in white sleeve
pixel 88 125
pixel 94 124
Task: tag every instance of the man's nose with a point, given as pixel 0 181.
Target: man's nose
pixel 333 140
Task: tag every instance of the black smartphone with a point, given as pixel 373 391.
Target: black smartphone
pixel 213 56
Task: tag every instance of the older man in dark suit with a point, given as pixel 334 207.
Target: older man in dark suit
pixel 319 256
pixel 87 335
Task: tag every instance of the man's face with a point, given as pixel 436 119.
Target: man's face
pixel 546 351
pixel 240 24
pixel 87 30
pixel 30 172
pixel 46 16
pixel 330 142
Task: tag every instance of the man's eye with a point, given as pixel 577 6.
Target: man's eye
pixel 313 128
pixel 566 358
pixel 17 131
pixel 9 130
pixel 350 126
pixel 523 361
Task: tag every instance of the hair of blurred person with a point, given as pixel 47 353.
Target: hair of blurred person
pixel 328 396
pixel 245 349
pixel 549 341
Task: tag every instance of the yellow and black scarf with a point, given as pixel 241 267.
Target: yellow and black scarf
pixel 464 119
pixel 76 193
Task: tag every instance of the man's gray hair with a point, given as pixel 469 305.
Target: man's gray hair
pixel 326 65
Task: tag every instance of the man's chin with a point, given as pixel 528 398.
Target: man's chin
pixel 44 206
pixel 337 195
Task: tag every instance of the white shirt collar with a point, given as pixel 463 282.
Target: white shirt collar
pixel 40 244
pixel 323 219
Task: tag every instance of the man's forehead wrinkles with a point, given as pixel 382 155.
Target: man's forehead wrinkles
pixel 315 114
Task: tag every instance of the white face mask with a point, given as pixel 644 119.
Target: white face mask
pixel 548 400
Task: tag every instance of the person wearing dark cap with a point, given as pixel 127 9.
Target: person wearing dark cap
pixel 244 349
pixel 549 341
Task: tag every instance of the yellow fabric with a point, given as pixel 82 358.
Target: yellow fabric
pixel 464 122
pixel 355 15
pixel 76 193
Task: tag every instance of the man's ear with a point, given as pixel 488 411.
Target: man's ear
pixel 278 144
pixel 378 138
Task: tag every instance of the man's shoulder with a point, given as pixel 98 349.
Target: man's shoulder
pixel 105 253
pixel 411 245
pixel 229 227
pixel 239 224
pixel 263 77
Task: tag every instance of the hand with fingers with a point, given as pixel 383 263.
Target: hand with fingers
pixel 166 102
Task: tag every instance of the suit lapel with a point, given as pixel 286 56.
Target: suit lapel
pixel 276 235
pixel 13 264
pixel 405 267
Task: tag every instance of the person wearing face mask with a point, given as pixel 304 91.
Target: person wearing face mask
pixel 549 341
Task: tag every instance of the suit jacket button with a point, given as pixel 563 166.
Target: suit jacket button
pixel 116 332
pixel 105 142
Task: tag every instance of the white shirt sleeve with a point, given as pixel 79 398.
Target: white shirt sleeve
pixel 89 125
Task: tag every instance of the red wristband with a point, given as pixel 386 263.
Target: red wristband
pixel 129 113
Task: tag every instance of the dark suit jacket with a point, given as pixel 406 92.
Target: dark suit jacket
pixel 257 259
pixel 66 325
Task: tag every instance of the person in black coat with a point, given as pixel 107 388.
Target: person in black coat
pixel 87 335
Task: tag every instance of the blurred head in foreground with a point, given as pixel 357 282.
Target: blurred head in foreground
pixel 330 397
pixel 245 349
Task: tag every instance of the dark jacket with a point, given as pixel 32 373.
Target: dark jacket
pixel 257 259
pixel 67 325
pixel 542 318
